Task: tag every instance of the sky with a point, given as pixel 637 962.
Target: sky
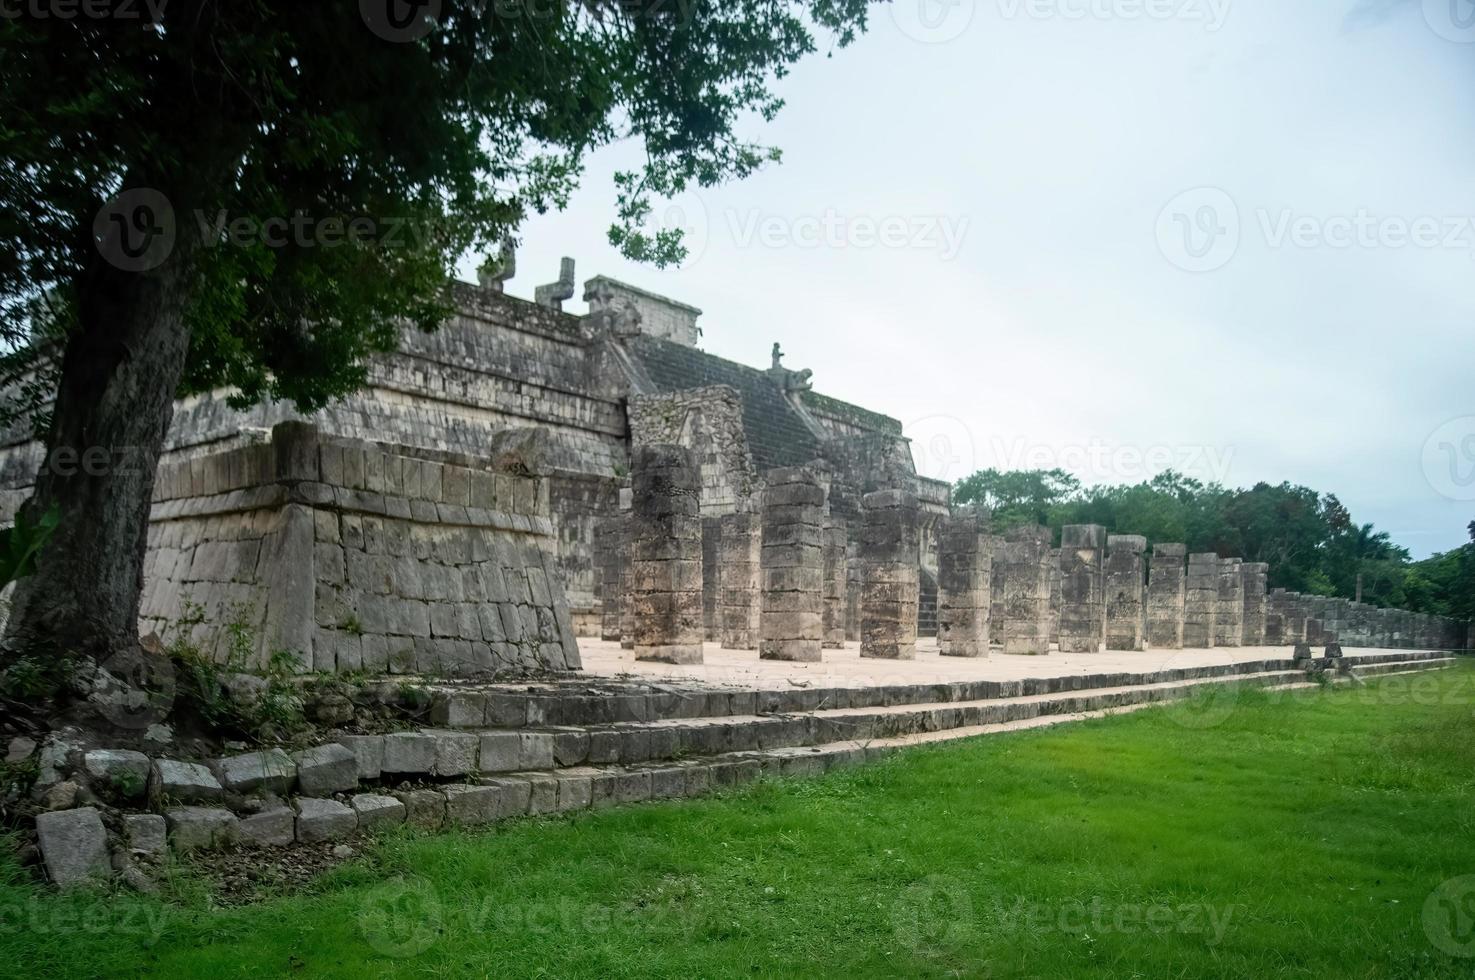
pixel 1231 237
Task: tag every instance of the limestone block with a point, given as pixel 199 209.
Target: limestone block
pixel 275 826
pixel 368 752
pixel 375 810
pixel 424 808
pixel 200 827
pixel 125 772
pixel 319 820
pixel 147 833
pixel 271 770
pixel 74 846
pixel 410 753
pixel 184 782
pixel 455 753
pixel 327 769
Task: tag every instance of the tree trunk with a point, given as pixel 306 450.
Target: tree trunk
pixel 120 371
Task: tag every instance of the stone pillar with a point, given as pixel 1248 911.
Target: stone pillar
pixel 836 535
pixel 996 596
pixel 1166 591
pixel 738 582
pixel 1295 618
pixel 1126 623
pixel 1054 600
pixel 854 585
pixel 627 580
pixel 1201 601
pixel 711 541
pixel 1255 576
pixel 666 554
pixel 793 566
pixel 612 561
pixel 1082 588
pixel 1275 618
pixel 964 583
pixel 1026 584
pixel 890 548
pixel 1229 626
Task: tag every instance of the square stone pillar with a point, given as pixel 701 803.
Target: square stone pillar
pixel 666 554
pixel 1126 580
pixel 1026 582
pixel 1229 627
pixel 1082 588
pixel 1055 579
pixel 1201 601
pixel 1255 578
pixel 1275 618
pixel 890 547
pixel 996 596
pixel 792 566
pixel 612 561
pixel 965 558
pixel 627 581
pixel 836 540
pixel 1295 618
pixel 1166 592
pixel 738 562
pixel 854 586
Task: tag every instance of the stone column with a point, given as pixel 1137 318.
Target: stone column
pixel 1229 624
pixel 1295 618
pixel 890 548
pixel 666 554
pixel 793 566
pixel 1054 600
pixel 1275 618
pixel 1026 585
pixel 854 585
pixel 1255 576
pixel 1126 571
pixel 964 583
pixel 1166 591
pixel 738 581
pixel 1201 601
pixel 627 580
pixel 711 542
pixel 996 596
pixel 1082 588
pixel 612 560
pixel 836 534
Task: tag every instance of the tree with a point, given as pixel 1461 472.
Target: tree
pixel 259 194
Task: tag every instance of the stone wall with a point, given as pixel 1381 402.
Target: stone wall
pixel 354 556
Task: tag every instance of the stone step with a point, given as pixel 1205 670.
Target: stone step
pixel 476 707
pixel 552 747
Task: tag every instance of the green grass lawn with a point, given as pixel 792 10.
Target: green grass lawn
pixel 1271 836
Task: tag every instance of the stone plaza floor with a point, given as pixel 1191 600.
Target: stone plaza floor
pixel 604 658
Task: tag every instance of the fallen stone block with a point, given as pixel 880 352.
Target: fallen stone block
pixel 147 833
pixel 319 820
pixel 375 810
pixel 193 828
pixel 271 771
pixel 126 772
pixel 183 782
pixel 325 769
pixel 368 750
pixel 424 807
pixel 74 845
pixel 272 827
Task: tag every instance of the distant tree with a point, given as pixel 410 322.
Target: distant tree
pixel 257 194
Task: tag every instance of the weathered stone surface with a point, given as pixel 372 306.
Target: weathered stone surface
pixel 410 753
pixel 271 770
pixel 836 543
pixel 276 826
pixel 1125 578
pixel 455 753
pixel 665 592
pixel 964 583
pixel 890 544
pixel 424 808
pixel 1201 601
pixel 375 810
pixel 74 845
pixel 1082 588
pixel 326 769
pixel 147 833
pixel 1026 591
pixel 1254 576
pixel 1229 618
pixel 124 772
pixel 500 751
pixel 1166 595
pixel 469 805
pixel 319 820
pixel 739 556
pixel 791 566
pixel 183 782
pixel 194 828
pixel 368 752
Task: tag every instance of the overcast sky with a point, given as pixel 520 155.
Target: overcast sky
pixel 1236 237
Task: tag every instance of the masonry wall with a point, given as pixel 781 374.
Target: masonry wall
pixel 353 556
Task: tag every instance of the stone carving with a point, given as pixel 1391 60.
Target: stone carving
pixel 497 269
pixel 553 294
pixel 609 314
pixel 1125 581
